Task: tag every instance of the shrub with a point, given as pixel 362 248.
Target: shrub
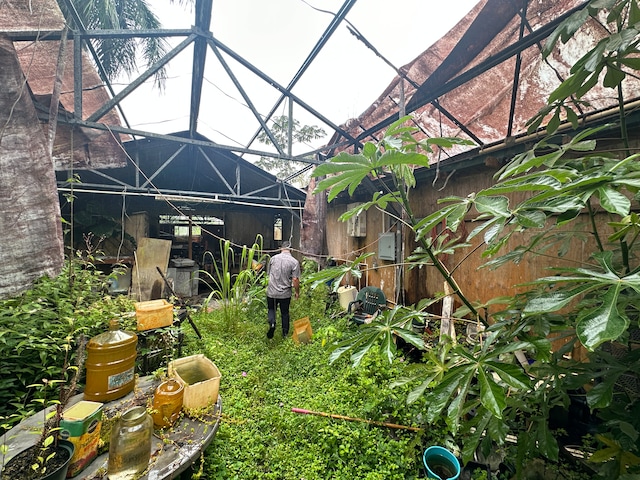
pixel 44 321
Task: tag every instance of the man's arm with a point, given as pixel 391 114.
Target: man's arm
pixel 296 286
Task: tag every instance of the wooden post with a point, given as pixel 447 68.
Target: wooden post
pixel 446 323
pixel 190 244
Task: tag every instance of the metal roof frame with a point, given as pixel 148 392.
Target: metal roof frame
pixel 491 19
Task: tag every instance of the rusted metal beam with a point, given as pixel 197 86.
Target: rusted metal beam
pixel 44 35
pixel 149 179
pixel 516 74
pixel 489 63
pixel 215 169
pixel 101 112
pixel 176 138
pixel 203 24
pixel 79 26
pixel 284 90
pixel 491 20
pixel 324 38
pixel 246 98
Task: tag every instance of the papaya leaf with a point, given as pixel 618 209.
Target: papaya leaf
pixel 456 406
pixel 445 391
pixel 491 394
pixel 531 219
pixel 378 199
pixel 530 162
pixel 613 201
pixel 613 77
pixel 565 30
pixel 554 300
pixel 479 425
pixel 547 443
pixel 446 142
pixel 497 206
pixel 634 13
pixel 589 83
pixel 601 395
pixel 416 393
pixel 510 374
pixel 603 324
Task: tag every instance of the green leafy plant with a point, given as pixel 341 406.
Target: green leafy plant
pixel 38 461
pixel 41 343
pixel 335 275
pixel 230 290
pixel 487 379
pixel 383 331
pixel 486 391
pixel 42 324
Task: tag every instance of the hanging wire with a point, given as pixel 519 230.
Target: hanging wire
pixel 176 208
pixel 72 198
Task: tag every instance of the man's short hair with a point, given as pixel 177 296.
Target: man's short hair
pixel 285 244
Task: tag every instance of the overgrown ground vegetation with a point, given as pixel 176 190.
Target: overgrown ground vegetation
pixel 262 380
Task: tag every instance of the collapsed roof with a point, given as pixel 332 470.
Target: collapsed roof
pixel 486 78
pixel 483 80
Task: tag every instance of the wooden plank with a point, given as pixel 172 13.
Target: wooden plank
pixel 446 323
pixel 146 282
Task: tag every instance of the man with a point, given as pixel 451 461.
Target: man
pixel 284 272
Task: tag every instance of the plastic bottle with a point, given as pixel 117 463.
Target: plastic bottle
pixel 110 364
pixel 130 447
pixel 167 402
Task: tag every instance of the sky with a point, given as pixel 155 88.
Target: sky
pixel 276 36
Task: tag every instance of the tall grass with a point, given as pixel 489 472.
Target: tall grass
pixel 229 290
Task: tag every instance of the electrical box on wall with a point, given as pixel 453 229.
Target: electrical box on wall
pixel 387 246
pixel 357 225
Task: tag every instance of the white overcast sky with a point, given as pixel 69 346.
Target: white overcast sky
pixel 277 36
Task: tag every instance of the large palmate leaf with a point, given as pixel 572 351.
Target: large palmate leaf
pixel 347 171
pixel 603 319
pixel 382 333
pixel 335 275
pixel 605 323
pixel 483 377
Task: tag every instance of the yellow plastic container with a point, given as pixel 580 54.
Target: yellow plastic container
pixel 167 402
pixel 154 314
pixel 201 379
pixel 302 330
pixel 110 365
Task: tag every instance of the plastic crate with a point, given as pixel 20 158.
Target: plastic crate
pixel 154 314
pixel 201 379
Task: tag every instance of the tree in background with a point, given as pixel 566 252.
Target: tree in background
pixel 300 134
pixel 121 55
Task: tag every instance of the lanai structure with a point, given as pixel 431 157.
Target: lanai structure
pixel 187 175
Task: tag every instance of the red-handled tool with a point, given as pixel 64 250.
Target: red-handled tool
pixel 354 419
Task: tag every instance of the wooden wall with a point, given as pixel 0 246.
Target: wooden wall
pixel 477 284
